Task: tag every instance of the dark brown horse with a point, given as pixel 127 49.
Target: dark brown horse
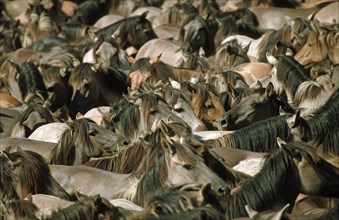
pixel 95 86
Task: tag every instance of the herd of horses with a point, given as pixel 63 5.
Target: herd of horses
pixel 165 109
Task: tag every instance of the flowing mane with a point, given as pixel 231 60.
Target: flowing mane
pixel 35 176
pixel 259 137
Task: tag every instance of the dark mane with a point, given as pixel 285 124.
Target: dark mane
pixel 88 208
pixel 35 176
pixel 155 162
pixel 291 73
pixel 126 161
pixel 323 125
pixel 65 152
pixel 128 26
pixel 259 137
pixel 30 80
pixel 209 46
pixel 262 191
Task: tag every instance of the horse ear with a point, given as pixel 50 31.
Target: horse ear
pixel 116 33
pixel 97 199
pixel 79 116
pixel 92 35
pixel 29 197
pixel 289 20
pixel 251 212
pixel 230 90
pixel 63 71
pixel 247 47
pixel 269 90
pixel 80 195
pixel 289 52
pixel 155 60
pixel 143 15
pixel 175 84
pixel 281 143
pixel 191 89
pixel 14 65
pixel 75 61
pixel 257 85
pixel 280 214
pixel 271 59
pixel 131 60
pixel 206 190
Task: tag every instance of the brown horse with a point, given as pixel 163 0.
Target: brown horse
pixel 204 101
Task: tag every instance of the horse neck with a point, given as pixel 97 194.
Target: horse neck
pixel 264 191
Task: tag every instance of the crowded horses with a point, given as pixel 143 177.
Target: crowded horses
pixel 165 109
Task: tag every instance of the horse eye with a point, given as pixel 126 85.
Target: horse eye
pixel 254 105
pixel 93 133
pixel 153 111
pixel 158 208
pixel 178 110
pixel 87 85
pixel 209 106
pixel 187 166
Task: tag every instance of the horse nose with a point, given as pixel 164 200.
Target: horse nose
pixel 224 122
pixel 126 142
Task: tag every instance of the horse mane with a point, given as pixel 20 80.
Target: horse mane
pixel 153 170
pixel 7 180
pixel 173 12
pixel 30 80
pixel 126 161
pixel 88 208
pixel 35 176
pixel 64 151
pixel 126 119
pixel 171 95
pixel 291 73
pixel 322 126
pixel 23 209
pixel 260 136
pixel 262 191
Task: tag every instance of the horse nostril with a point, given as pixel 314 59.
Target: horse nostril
pixel 224 122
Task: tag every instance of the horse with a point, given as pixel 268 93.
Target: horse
pixel 154 70
pixel 290 179
pixel 171 54
pixel 290 78
pixel 257 105
pixel 143 111
pixel 129 32
pixel 179 103
pixel 259 137
pixel 33 174
pixel 320 45
pixel 322 127
pixel 29 81
pixel 92 86
pixel 92 207
pixel 40 25
pixel 109 53
pixel 204 101
pixel 196 33
pixel 34 116
pixel 9 37
pixel 56 82
pixel 230 54
pixel 8 101
pixel 85 139
pixel 164 164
